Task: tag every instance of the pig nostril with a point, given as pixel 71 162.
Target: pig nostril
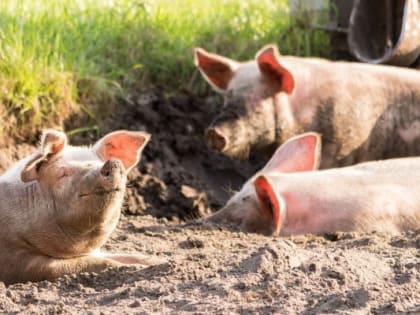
pixel 215 140
pixel 108 167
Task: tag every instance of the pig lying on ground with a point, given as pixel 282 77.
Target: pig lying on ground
pixel 287 197
pixel 364 112
pixel 60 204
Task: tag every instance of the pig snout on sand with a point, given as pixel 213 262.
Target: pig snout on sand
pixel 290 196
pixel 364 112
pixel 59 205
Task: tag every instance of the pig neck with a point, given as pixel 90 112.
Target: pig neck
pixel 20 204
pixel 20 213
pixel 316 84
pixel 292 112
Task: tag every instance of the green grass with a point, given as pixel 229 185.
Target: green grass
pixel 58 57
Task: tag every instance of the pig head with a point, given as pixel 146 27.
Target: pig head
pixel 243 210
pixel 289 196
pixel 364 112
pixel 59 205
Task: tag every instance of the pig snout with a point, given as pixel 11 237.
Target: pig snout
pixel 215 139
pixel 231 139
pixel 112 175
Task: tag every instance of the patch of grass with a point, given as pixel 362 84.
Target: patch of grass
pixel 58 57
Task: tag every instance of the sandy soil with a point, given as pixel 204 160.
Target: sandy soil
pixel 210 269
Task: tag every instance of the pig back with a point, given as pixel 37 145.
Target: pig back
pixel 364 112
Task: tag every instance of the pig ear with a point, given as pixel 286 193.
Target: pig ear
pixel 123 145
pixel 217 70
pixel 268 62
pixel 298 154
pixel 52 143
pixel 272 206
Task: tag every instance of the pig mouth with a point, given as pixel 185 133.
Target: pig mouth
pixel 101 192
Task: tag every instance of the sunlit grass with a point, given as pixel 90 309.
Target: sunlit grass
pixel 57 57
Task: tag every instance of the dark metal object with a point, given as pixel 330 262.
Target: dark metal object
pixel 385 31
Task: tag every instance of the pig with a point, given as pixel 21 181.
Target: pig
pixel 364 112
pixel 59 205
pixel 289 196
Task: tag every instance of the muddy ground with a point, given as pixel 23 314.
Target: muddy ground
pixel 210 269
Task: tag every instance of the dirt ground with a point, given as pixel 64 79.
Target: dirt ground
pixel 210 269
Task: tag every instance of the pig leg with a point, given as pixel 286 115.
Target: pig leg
pixel 38 268
pixel 43 268
pixel 59 267
pixel 129 259
pixel 96 263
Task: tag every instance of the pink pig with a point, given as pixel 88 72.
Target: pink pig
pixel 289 197
pixel 364 112
pixel 59 205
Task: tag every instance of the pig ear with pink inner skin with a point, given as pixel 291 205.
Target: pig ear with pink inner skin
pixel 268 62
pixel 123 145
pixel 52 143
pixel 298 154
pixel 272 206
pixel 217 70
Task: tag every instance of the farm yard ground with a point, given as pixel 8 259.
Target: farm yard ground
pixel 211 269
